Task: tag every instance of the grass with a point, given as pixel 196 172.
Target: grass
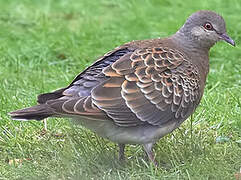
pixel 44 44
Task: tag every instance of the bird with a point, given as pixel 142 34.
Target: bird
pixel 142 90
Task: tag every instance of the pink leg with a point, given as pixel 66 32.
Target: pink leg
pixel 151 156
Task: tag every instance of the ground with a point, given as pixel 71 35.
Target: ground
pixel 45 44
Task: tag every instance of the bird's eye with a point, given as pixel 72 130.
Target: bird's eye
pixel 208 26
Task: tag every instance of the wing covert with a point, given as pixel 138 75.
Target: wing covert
pixel 155 86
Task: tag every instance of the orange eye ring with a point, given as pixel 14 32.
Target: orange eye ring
pixel 208 26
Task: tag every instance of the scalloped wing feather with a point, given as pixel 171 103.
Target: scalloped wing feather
pixel 149 85
pixel 158 85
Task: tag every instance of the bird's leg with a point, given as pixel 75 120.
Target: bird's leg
pixel 148 150
pixel 44 130
pixel 121 152
pixel 45 125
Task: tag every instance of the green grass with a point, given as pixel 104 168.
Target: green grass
pixel 44 44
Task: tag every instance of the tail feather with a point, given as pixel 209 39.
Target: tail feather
pixel 38 112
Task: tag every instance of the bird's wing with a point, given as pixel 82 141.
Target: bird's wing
pixel 153 85
pixel 150 85
pixel 86 80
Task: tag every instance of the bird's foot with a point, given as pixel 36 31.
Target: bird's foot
pixel 150 154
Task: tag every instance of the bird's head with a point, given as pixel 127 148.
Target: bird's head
pixel 205 28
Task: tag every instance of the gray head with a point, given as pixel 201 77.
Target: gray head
pixel 203 29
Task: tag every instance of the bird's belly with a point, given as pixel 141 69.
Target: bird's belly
pixel 127 135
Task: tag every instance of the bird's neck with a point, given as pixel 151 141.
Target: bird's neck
pixel 189 43
pixel 198 55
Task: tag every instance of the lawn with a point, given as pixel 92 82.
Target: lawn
pixel 45 44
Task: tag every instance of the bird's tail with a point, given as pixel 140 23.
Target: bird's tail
pixel 37 112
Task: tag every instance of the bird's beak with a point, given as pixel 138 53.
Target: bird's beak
pixel 228 39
